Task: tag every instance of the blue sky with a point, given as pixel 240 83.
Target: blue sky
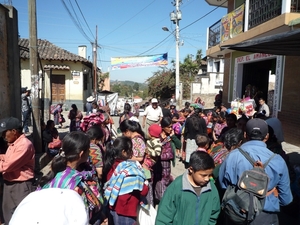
pixel 125 28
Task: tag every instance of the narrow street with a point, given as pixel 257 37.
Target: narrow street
pixel 292 151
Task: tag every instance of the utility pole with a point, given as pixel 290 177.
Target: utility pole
pixel 33 62
pixel 95 46
pixel 175 17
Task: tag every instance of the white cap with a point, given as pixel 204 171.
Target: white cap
pixel 51 206
pixel 154 100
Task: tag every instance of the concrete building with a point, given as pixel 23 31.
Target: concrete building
pixel 248 21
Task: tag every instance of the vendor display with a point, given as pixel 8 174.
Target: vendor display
pixel 244 106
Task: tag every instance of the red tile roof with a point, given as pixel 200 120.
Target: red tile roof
pixel 49 51
pixel 56 67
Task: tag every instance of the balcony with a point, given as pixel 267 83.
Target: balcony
pixel 253 14
pixel 261 11
pixel 214 34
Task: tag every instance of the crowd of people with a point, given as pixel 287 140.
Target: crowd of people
pixel 118 174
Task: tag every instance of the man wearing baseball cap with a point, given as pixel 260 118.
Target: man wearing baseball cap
pixel 16 165
pixel 235 164
pixel 153 114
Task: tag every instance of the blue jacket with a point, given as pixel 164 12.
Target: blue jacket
pixel 235 163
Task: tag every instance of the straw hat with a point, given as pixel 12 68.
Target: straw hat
pixel 90 99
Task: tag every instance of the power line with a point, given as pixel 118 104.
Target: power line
pixel 203 16
pixel 184 27
pixel 75 22
pixel 84 18
pixel 156 45
pixel 78 21
pixel 128 19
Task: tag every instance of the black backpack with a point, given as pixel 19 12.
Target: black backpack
pixel 243 201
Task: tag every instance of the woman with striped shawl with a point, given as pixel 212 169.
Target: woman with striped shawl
pixel 64 173
pixel 125 183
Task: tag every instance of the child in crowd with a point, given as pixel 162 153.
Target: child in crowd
pixel 177 128
pixel 126 183
pixel 180 203
pixel 153 145
pixel 202 142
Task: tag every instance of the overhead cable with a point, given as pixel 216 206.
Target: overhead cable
pixel 128 19
pixel 76 23
pixel 84 18
pixel 184 27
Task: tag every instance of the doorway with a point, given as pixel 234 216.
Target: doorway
pixel 257 75
pixel 58 88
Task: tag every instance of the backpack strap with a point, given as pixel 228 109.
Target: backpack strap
pixel 247 156
pixel 266 163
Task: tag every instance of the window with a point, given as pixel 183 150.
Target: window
pixel 85 81
pixel 217 66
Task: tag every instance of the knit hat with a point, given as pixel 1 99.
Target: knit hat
pixel 61 207
pixel 10 123
pixel 155 130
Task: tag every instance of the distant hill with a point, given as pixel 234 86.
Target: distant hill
pixel 128 82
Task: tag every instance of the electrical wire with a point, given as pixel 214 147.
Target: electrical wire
pixel 84 18
pixel 184 27
pixel 156 45
pixel 75 22
pixel 78 21
pixel 203 16
pixel 128 19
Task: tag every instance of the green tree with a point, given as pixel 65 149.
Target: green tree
pixel 188 69
pixel 135 86
pixel 116 88
pixel 162 83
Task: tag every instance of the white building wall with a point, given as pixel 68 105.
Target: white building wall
pixel 25 74
pixel 213 81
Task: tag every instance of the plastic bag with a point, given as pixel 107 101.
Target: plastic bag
pixel 146 217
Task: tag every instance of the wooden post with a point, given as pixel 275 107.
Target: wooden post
pixel 33 59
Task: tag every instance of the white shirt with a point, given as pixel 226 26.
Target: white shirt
pixel 266 108
pixel 153 114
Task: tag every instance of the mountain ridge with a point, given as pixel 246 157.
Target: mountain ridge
pixel 127 82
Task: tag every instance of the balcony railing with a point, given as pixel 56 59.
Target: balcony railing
pixel 214 34
pixel 295 6
pixel 261 11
